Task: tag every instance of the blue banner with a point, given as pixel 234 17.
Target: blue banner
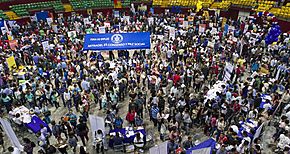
pixel 41 16
pixel 117 41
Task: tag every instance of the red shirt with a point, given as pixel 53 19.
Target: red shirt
pixel 176 78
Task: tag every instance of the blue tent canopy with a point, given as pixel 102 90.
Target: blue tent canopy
pixel 210 143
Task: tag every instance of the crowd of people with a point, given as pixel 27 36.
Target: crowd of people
pixel 169 82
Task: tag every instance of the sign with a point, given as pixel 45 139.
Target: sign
pixel 228 71
pixel 45 45
pixel 102 30
pixel 11 63
pixel 159 149
pixel 185 24
pixel 201 28
pixel 150 21
pixel 116 14
pixel 49 21
pixel 87 21
pixel 72 34
pixel 117 41
pixel 13 44
pixel 89 31
pixel 54 28
pixel 172 32
pixel 107 24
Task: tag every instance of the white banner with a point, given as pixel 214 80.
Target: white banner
pixel 96 124
pixel 54 28
pixel 150 21
pixel 11 134
pixel 49 21
pixel 185 24
pixel 171 32
pixel 87 21
pixel 45 45
pixel 127 19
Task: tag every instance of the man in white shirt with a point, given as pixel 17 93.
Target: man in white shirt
pixel 67 98
pixel 14 150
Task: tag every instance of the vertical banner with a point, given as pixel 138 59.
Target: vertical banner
pixel 127 19
pixel 228 71
pixel 13 44
pixel 172 32
pixel 45 45
pixel 87 21
pixel 150 21
pixel 185 24
pixel 49 21
pixel 102 30
pixel 202 28
pixel 116 14
pixel 54 28
pixel 11 134
pixel 96 124
pixel 11 63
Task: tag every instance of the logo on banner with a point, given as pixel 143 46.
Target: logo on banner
pixel 117 38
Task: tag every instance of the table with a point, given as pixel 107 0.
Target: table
pixel 35 123
pixel 126 138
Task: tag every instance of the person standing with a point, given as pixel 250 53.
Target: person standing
pixel 67 99
pixel 28 146
pixel 82 131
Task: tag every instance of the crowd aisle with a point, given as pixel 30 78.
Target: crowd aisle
pixel 195 83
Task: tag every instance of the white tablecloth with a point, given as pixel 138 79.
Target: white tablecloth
pixel 24 114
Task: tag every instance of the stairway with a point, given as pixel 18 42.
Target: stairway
pixel 11 15
pixel 67 8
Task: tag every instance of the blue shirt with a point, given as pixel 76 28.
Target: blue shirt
pixel 154 112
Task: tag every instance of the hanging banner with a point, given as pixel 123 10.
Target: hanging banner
pixel 13 44
pixel 11 134
pixel 102 30
pixel 116 14
pixel 119 41
pixel 11 63
pixel 41 15
pixel 202 28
